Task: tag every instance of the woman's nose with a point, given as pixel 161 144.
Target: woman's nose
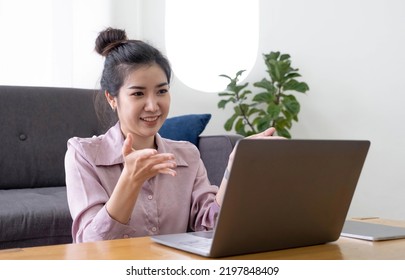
pixel 151 104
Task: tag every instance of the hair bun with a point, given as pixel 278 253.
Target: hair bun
pixel 109 39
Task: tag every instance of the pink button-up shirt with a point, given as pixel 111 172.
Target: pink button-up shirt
pixel 165 204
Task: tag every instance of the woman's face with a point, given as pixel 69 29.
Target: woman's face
pixel 143 103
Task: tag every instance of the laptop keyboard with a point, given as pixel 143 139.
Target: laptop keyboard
pixel 204 234
pixel 197 242
pixel 201 240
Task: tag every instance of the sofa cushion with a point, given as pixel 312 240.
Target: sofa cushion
pixel 215 151
pixel 35 125
pixel 34 216
pixel 185 127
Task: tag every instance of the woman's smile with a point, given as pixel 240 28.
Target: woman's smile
pixel 150 120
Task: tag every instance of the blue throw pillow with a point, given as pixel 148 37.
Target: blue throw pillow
pixel 185 127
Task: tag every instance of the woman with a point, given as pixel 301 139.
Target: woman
pixel 130 181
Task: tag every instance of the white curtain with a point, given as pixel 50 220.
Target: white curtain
pixel 51 42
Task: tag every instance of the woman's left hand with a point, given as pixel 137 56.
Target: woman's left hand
pixel 267 134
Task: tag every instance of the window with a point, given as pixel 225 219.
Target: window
pixel 207 38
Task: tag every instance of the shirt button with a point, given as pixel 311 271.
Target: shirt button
pixel 150 197
pixel 154 229
pixel 23 137
pixel 126 236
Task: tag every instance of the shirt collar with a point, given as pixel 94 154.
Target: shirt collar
pixel 109 150
pixel 165 147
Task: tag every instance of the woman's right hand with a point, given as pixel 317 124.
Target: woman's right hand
pixel 139 166
pixel 144 164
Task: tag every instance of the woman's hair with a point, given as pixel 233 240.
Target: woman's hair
pixel 122 56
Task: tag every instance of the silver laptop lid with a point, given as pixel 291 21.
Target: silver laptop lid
pixel 287 193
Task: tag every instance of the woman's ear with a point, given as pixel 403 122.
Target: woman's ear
pixel 111 100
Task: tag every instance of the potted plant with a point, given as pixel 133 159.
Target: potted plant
pixel 274 105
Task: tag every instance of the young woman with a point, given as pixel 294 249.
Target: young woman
pixel 130 181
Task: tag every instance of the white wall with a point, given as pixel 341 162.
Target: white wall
pixel 351 55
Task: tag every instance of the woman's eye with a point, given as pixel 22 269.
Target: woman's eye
pixel 162 91
pixel 138 93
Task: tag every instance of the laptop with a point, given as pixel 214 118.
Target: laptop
pixel 281 194
pixel 371 232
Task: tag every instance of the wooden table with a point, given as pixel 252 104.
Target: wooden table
pixel 144 248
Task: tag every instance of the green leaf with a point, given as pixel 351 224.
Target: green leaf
pixel 222 103
pixel 288 116
pixel 241 109
pixel 303 87
pixel 239 73
pixel 295 85
pixel 263 97
pixel 257 120
pixel 292 75
pixel 240 127
pixel 263 123
pixel 291 104
pixel 273 110
pixel 226 94
pixel 253 110
pixel 285 57
pixel 283 132
pixel 278 70
pixel 238 88
pixel 237 110
pixel 266 84
pixel 282 122
pixel 272 56
pixel 225 76
pixel 284 68
pixel 275 70
pixel 229 123
pixel 244 94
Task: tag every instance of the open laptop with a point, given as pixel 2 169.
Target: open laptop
pixel 281 194
pixel 371 232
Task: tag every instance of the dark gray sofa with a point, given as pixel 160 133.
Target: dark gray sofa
pixel 36 123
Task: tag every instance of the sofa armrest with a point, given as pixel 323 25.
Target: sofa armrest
pixel 215 151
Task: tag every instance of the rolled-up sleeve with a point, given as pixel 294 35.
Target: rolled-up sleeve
pixel 204 208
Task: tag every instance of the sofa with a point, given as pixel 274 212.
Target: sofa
pixel 36 123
